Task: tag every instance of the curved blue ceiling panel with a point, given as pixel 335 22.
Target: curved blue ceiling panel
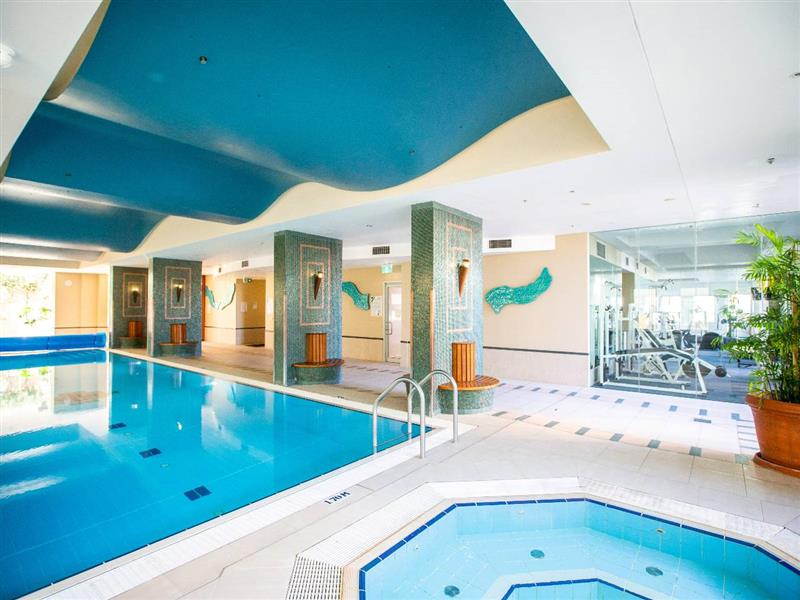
pixel 140 170
pixel 76 224
pixel 359 95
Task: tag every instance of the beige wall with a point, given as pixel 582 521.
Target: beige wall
pixel 362 333
pixel 220 325
pixel 250 305
pixel 81 303
pixel 548 339
pixel 244 320
pixel 269 312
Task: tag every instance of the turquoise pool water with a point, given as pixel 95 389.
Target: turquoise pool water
pixel 99 457
pixel 573 549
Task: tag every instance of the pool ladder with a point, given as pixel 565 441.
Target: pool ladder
pixel 411 387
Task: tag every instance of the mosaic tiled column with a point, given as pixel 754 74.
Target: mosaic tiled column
pixel 299 257
pixel 441 239
pixel 128 303
pixel 175 296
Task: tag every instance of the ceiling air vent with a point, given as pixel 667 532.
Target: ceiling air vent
pixel 494 244
pixel 379 250
pixel 245 263
pixel 601 250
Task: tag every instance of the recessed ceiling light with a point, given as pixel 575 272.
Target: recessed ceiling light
pixel 6 56
pixel 668 199
pixel 586 203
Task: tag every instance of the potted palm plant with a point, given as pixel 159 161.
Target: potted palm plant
pixel 774 343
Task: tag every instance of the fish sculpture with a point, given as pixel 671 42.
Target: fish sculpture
pixel 360 299
pixel 224 301
pixel 525 294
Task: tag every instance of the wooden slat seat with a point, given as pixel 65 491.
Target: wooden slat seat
pixel 481 382
pixel 316 348
pixel 331 362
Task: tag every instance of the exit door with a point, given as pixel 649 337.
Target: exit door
pixel 392 315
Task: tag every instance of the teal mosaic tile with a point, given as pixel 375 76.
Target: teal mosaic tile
pixel 469 402
pixel 298 256
pixel 130 306
pixel 441 237
pixel 169 306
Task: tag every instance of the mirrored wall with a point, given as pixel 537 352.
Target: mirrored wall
pixel 662 302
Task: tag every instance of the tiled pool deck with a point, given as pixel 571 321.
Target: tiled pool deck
pixel 720 430
pixel 508 446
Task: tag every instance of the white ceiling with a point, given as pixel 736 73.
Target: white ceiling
pixel 40 34
pixel 692 98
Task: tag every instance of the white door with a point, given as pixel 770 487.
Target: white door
pixel 392 315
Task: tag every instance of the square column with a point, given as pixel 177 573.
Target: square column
pixel 128 307
pixel 308 308
pixel 176 305
pixel 446 301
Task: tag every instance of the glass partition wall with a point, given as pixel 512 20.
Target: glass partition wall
pixel 662 299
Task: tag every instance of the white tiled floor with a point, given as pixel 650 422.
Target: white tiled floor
pixel 260 564
pixel 677 424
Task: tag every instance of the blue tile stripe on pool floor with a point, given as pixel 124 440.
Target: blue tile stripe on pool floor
pixel 517 586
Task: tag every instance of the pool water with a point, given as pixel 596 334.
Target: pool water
pixel 102 457
pixel 576 549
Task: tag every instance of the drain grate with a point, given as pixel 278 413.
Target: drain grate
pixel 536 553
pixel 451 591
pixel 654 571
pixel 314 580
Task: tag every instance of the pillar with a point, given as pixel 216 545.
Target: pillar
pixel 299 259
pixel 441 239
pixel 176 298
pixel 128 304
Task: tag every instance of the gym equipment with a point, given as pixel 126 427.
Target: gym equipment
pixel 656 363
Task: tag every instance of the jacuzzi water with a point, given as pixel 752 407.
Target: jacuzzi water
pixel 570 549
pixel 105 456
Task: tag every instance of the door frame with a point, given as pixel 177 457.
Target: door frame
pixel 386 285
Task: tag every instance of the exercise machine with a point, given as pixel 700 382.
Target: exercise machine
pixel 653 362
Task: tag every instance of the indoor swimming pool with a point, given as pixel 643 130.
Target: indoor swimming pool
pixel 100 456
pixel 577 549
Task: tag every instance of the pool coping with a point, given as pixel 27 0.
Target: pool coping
pixel 126 572
pixel 330 569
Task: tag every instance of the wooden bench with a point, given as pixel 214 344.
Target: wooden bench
pixel 332 362
pixel 475 392
pixel 481 382
pixel 318 368
pixel 464 370
pixel 135 337
pixel 178 345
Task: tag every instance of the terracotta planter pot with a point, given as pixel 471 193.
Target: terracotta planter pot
pixel 778 431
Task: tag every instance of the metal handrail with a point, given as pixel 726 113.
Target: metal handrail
pixel 427 378
pixel 386 392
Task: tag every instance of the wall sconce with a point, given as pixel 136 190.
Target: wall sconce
pixel 178 291
pixel 463 272
pixel 317 283
pixel 135 294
